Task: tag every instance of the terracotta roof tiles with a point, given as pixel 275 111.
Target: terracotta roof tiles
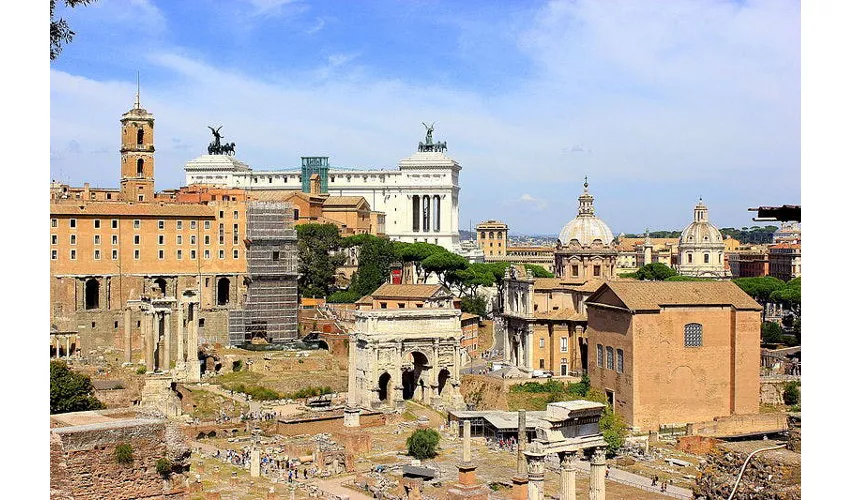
pixel 652 295
pixel 390 291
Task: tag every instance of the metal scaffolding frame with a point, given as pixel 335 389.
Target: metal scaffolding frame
pixel 271 308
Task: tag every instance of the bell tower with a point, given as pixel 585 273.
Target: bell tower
pixel 137 154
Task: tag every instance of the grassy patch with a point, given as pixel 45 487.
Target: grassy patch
pixel 531 401
pixel 208 404
pixel 409 415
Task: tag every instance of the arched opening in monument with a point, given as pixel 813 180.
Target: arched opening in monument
pixel 140 137
pixel 412 377
pixel 160 284
pixel 442 378
pixel 140 168
pixel 223 294
pixel 384 386
pixel 323 345
pixel 92 294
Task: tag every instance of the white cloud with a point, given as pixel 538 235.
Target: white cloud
pixel 536 204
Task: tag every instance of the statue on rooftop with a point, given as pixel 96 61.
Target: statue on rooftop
pixel 429 130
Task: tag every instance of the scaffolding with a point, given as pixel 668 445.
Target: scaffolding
pixel 270 312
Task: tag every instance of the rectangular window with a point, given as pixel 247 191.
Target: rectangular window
pixel 73 239
pixel 97 239
pixel 161 254
pixel 221 234
pixel 136 239
pixel 97 255
pixel 161 239
pixel 295 214
pixel 114 254
pixel 180 224
pixel 114 223
pixel 206 224
pixel 542 364
pixel 206 239
pixel 192 254
pixel 221 214
pixel 136 254
pixel 54 239
pixel 693 335
pixel 160 224
pixel 192 240
pixel 137 224
pixel 619 361
pixel 221 254
pixel 705 259
pixel 609 358
pixel 193 224
pixel 383 305
pixel 542 343
pixel 275 255
pixel 179 254
pixel 564 344
pixel 401 305
pixel 235 253
pixel 54 254
pixel 73 254
pixel 179 239
pixel 207 282
pixel 97 223
pixel 599 355
pixel 54 222
pixel 597 271
pixel 575 271
pixel 235 214
pixel 72 223
pixel 565 368
pixel 114 239
pixel 236 234
pixel 206 254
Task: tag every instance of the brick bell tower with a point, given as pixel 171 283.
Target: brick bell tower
pixel 137 154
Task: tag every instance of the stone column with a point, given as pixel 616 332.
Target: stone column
pixel 597 475
pixel 128 339
pixel 255 462
pixel 67 347
pixel 181 356
pixel 529 348
pixel 568 476
pixel 521 466
pixel 194 363
pixel 166 320
pixel 147 340
pixel 467 441
pixel 520 352
pixel 536 470
pixel 351 417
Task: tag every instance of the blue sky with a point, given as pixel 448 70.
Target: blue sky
pixel 657 102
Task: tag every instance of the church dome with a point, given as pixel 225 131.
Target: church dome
pixel 586 227
pixel 700 231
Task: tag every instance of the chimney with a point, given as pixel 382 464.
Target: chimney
pixel 315 184
pixel 86 192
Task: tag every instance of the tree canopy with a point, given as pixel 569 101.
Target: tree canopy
pixel 423 443
pixel 317 262
pixel 60 31
pixel 70 391
pixel 374 261
pixel 655 271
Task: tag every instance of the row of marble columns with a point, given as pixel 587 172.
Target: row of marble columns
pixel 531 467
pixel 157 338
pixel 426 212
pixel 57 341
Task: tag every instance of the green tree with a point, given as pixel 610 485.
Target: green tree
pixel 686 278
pixel 423 443
pixel 417 253
pixel 656 271
pixel 70 391
pixel 375 257
pixel 317 262
pixel 791 393
pixel 468 280
pixel 614 429
pixel 344 297
pixel 441 263
pixel 760 289
pixel 789 295
pixel 60 31
pixel 538 271
pixel 771 333
pixel 474 304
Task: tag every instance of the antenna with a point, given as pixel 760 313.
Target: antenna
pixel 138 91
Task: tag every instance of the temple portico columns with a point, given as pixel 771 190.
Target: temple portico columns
pixel 529 348
pixel 568 476
pixel 67 347
pixel 597 475
pixel 147 340
pixel 536 470
pixel 166 321
pixel 128 342
pixel 181 357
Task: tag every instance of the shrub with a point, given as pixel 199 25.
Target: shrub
pixel 211 434
pixel 124 454
pixel 343 297
pixel 423 443
pixel 141 370
pixel 613 429
pixel 237 365
pixel 70 391
pixel 771 333
pixel 791 393
pixel 163 467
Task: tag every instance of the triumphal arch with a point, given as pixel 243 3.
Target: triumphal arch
pixel 407 353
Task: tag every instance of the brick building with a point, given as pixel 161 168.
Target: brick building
pixel 785 262
pixel 671 353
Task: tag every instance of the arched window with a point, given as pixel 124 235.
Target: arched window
pixel 491 235
pixel 92 294
pixel 140 168
pixel 223 294
pixel 693 335
pixel 140 137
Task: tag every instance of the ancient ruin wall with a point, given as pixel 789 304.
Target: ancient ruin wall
pixel 772 475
